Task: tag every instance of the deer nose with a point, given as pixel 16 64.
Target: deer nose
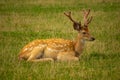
pixel 92 38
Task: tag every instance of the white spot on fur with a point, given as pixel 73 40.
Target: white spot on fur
pixel 25 49
pixel 31 48
pixel 54 50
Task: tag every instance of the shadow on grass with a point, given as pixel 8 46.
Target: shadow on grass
pixel 98 56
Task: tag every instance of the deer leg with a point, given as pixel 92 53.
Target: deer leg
pixel 36 53
pixel 42 60
pixel 68 59
pixel 67 56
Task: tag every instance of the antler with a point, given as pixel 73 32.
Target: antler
pixel 87 21
pixel 69 16
pixel 76 25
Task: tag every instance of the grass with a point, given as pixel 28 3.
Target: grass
pixel 25 20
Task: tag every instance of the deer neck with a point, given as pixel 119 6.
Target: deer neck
pixel 79 44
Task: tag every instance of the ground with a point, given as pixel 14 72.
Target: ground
pixel 26 20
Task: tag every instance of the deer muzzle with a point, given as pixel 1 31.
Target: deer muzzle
pixel 91 39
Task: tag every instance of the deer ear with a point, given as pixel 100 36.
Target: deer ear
pixel 77 26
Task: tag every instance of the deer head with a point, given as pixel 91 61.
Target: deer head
pixel 83 31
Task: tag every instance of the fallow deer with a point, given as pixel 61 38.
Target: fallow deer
pixel 59 49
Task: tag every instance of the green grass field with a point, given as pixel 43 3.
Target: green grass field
pixel 22 21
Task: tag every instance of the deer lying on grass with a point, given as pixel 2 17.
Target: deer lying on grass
pixel 59 49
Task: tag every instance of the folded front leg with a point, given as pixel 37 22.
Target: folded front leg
pixel 67 56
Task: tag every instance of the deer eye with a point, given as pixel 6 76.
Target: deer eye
pixel 83 32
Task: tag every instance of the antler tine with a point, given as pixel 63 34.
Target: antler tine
pixel 69 16
pixel 89 20
pixel 86 13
